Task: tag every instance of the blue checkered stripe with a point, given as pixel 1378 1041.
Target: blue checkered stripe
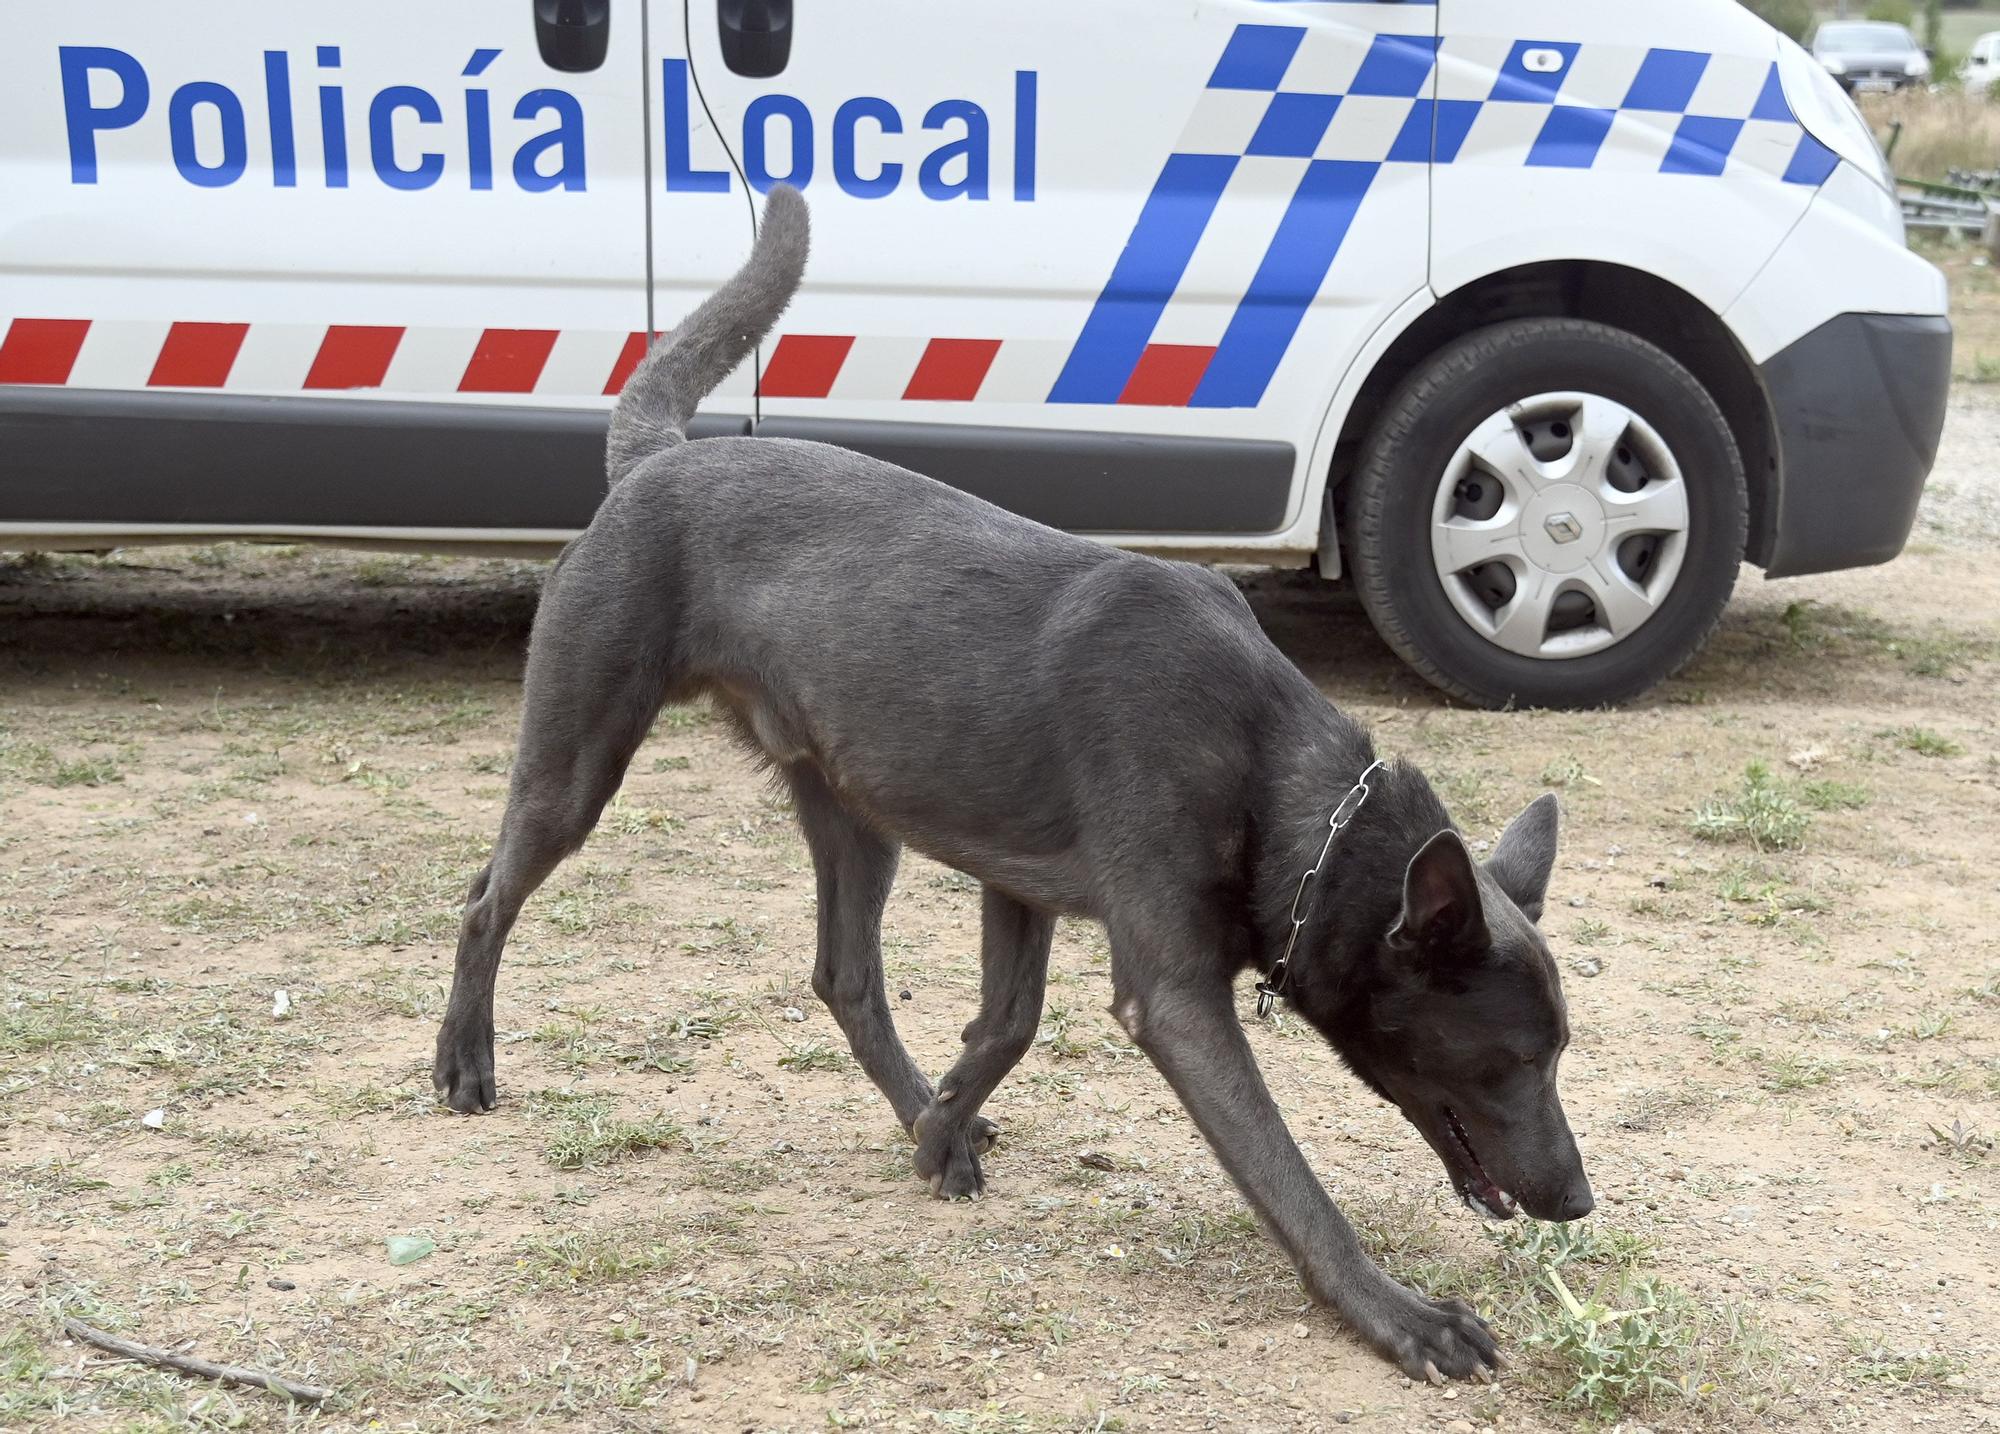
pixel 1343 112
pixel 1560 105
pixel 1278 93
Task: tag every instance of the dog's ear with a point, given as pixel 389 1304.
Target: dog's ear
pixel 1525 855
pixel 1442 917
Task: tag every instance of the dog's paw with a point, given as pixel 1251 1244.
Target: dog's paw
pixel 948 1153
pixel 1432 1340
pixel 984 1135
pixel 463 1071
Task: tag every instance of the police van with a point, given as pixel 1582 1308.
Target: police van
pixel 1532 318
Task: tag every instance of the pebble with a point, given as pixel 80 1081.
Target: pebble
pixel 1587 966
pixel 1459 1426
pixel 278 1284
pixel 793 1013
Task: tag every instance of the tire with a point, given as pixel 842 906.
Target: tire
pixel 1617 583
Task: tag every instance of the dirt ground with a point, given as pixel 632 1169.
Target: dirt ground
pixel 230 773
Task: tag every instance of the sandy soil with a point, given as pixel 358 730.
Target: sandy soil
pixel 226 773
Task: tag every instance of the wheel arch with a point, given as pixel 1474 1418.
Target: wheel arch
pixel 1641 304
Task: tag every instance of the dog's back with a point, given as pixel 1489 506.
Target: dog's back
pixel 999 695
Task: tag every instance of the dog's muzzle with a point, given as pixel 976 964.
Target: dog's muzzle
pixel 1481 1194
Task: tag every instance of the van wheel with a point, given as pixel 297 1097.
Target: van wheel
pixel 1550 513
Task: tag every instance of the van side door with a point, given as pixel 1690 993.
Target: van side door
pixel 1103 264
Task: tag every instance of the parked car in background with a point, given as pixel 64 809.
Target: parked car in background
pixel 1982 65
pixel 1871 56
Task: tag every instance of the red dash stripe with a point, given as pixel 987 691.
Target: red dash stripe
pixel 197 356
pixel 41 350
pixel 507 361
pixel 1167 375
pixel 628 359
pixel 354 356
pixel 952 369
pixel 805 365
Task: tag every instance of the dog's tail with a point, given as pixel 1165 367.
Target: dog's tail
pixel 660 397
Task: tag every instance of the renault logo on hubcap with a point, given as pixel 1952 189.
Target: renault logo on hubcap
pixel 1563 527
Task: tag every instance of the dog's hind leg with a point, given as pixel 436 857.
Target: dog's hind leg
pixel 856 867
pixel 594 683
pixel 1014 972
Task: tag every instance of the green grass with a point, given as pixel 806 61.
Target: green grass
pixel 27 1385
pixel 1623 1347
pixel 1567 772
pixel 1924 742
pixel 1604 1336
pixel 814 1056
pixel 1788 1071
pixel 1827 629
pixel 584 1132
pixel 1589 931
pixel 1874 1362
pixel 685 719
pixel 1586 1322
pixel 567 1040
pixel 1593 1242
pixel 634 819
pixel 1931 1024
pixel 1762 813
pixel 584 1257
pixel 35 762
pixel 35 1021
pixel 1059 1034
pixel 1831 796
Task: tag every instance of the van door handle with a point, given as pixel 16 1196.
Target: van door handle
pixel 572 34
pixel 756 36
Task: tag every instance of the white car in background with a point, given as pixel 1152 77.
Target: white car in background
pixel 1982 65
pixel 1534 318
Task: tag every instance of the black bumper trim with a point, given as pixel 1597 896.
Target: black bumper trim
pixel 1859 407
pixel 1083 482
pixel 233 460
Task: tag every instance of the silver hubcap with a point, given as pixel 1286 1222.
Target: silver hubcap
pixel 1560 525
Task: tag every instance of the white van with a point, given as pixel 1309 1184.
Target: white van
pixel 1534 317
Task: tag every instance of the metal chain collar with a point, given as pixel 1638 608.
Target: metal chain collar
pixel 1273 986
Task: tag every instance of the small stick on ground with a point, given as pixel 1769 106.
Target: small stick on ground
pixel 188 1364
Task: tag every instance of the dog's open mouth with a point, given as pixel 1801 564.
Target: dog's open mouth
pixel 1477 1189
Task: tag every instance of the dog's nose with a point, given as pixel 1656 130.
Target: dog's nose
pixel 1577 1201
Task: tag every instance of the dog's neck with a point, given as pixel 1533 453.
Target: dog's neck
pixel 1357 895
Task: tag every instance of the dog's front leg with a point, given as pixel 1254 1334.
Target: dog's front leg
pixel 1187 1024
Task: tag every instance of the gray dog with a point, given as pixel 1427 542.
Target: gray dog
pixel 1085 731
